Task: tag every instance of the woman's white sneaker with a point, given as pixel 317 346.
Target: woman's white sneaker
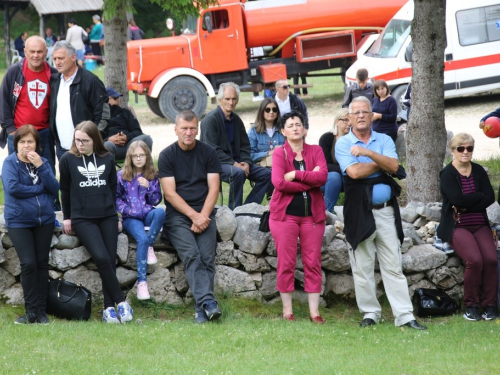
pixel 142 290
pixel 151 256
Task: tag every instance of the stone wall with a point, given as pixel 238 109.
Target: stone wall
pixel 246 260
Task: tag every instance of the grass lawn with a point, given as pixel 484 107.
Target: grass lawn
pixel 249 339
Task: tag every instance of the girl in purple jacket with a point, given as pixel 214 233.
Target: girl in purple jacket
pixel 138 191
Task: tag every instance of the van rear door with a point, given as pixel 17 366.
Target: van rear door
pixel 475 34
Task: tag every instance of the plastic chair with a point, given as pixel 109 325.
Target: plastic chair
pixel 15 54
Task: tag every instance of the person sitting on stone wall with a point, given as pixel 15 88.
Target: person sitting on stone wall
pixel 123 128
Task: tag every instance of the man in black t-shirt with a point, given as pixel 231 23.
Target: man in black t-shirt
pixel 189 172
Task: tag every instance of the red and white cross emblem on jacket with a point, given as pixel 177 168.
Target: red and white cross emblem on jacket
pixel 37 91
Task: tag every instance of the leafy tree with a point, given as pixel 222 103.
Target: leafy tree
pixel 115 21
pixel 426 133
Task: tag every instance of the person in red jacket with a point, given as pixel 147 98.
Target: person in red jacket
pixel 297 210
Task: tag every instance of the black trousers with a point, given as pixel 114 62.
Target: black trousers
pixel 32 247
pixel 100 238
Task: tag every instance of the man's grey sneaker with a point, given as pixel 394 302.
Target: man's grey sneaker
pixel 125 312
pixel 28 318
pixel 489 313
pixel 200 317
pixel 109 315
pixel 41 318
pixel 472 314
pixel 212 310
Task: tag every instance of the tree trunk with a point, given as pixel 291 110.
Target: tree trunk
pixel 426 133
pixel 115 34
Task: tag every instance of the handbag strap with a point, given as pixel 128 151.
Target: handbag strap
pixel 59 294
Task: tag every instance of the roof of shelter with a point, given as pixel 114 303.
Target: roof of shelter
pixel 65 6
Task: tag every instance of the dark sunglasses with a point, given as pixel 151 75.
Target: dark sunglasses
pixel 463 148
pixel 285 87
pixel 274 109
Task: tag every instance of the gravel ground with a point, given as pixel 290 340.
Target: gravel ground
pixel 461 115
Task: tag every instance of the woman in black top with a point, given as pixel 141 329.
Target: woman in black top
pixel 88 193
pixel 333 186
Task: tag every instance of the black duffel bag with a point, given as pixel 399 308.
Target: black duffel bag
pixel 434 302
pixel 68 300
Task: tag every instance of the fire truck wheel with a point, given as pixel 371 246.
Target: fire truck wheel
pixel 153 106
pixel 180 94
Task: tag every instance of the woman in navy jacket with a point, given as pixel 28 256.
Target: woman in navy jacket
pixel 30 189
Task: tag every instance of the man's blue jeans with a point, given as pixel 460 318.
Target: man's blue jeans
pixel 154 220
pixel 332 190
pixel 236 178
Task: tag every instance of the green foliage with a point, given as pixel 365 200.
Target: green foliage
pixel 182 8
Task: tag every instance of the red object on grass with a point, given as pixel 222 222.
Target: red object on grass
pixel 492 127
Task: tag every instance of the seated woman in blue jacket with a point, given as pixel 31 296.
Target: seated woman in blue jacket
pixel 265 135
pixel 30 189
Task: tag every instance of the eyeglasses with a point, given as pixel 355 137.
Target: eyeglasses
pixel 139 156
pixel 284 87
pixel 83 142
pixel 346 120
pixel 463 148
pixel 268 110
pixel 359 113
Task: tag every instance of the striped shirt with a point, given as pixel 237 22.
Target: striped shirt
pixel 471 220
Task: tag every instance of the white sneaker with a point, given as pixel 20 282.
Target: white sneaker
pixel 142 291
pixel 109 316
pixel 125 312
pixel 257 98
pixel 151 256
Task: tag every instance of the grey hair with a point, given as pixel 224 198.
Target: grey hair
pixel 285 82
pixel 186 115
pixel 222 87
pixel 62 44
pixel 360 99
pixel 96 17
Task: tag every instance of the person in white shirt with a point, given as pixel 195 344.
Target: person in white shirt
pixel 75 36
pixel 289 102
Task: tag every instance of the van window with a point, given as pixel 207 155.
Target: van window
pixel 219 19
pixel 391 40
pixel 479 25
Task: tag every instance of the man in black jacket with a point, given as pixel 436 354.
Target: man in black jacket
pixel 76 95
pixel 224 130
pixel 123 128
pixel 289 102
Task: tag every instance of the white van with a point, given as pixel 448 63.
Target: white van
pixel 472 54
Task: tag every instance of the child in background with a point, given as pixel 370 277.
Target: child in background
pixel 138 191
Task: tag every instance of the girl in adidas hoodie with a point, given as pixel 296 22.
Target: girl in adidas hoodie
pixel 137 193
pixel 88 189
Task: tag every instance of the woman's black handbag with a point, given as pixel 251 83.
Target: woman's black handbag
pixel 68 300
pixel 264 222
pixel 434 302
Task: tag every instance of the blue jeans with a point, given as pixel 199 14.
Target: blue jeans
pixel 119 152
pixel 135 227
pixel 332 190
pixel 46 144
pixel 236 178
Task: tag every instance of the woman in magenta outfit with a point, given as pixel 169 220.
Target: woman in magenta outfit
pixel 298 212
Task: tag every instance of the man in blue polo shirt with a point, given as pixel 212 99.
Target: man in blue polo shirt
pixel 372 221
